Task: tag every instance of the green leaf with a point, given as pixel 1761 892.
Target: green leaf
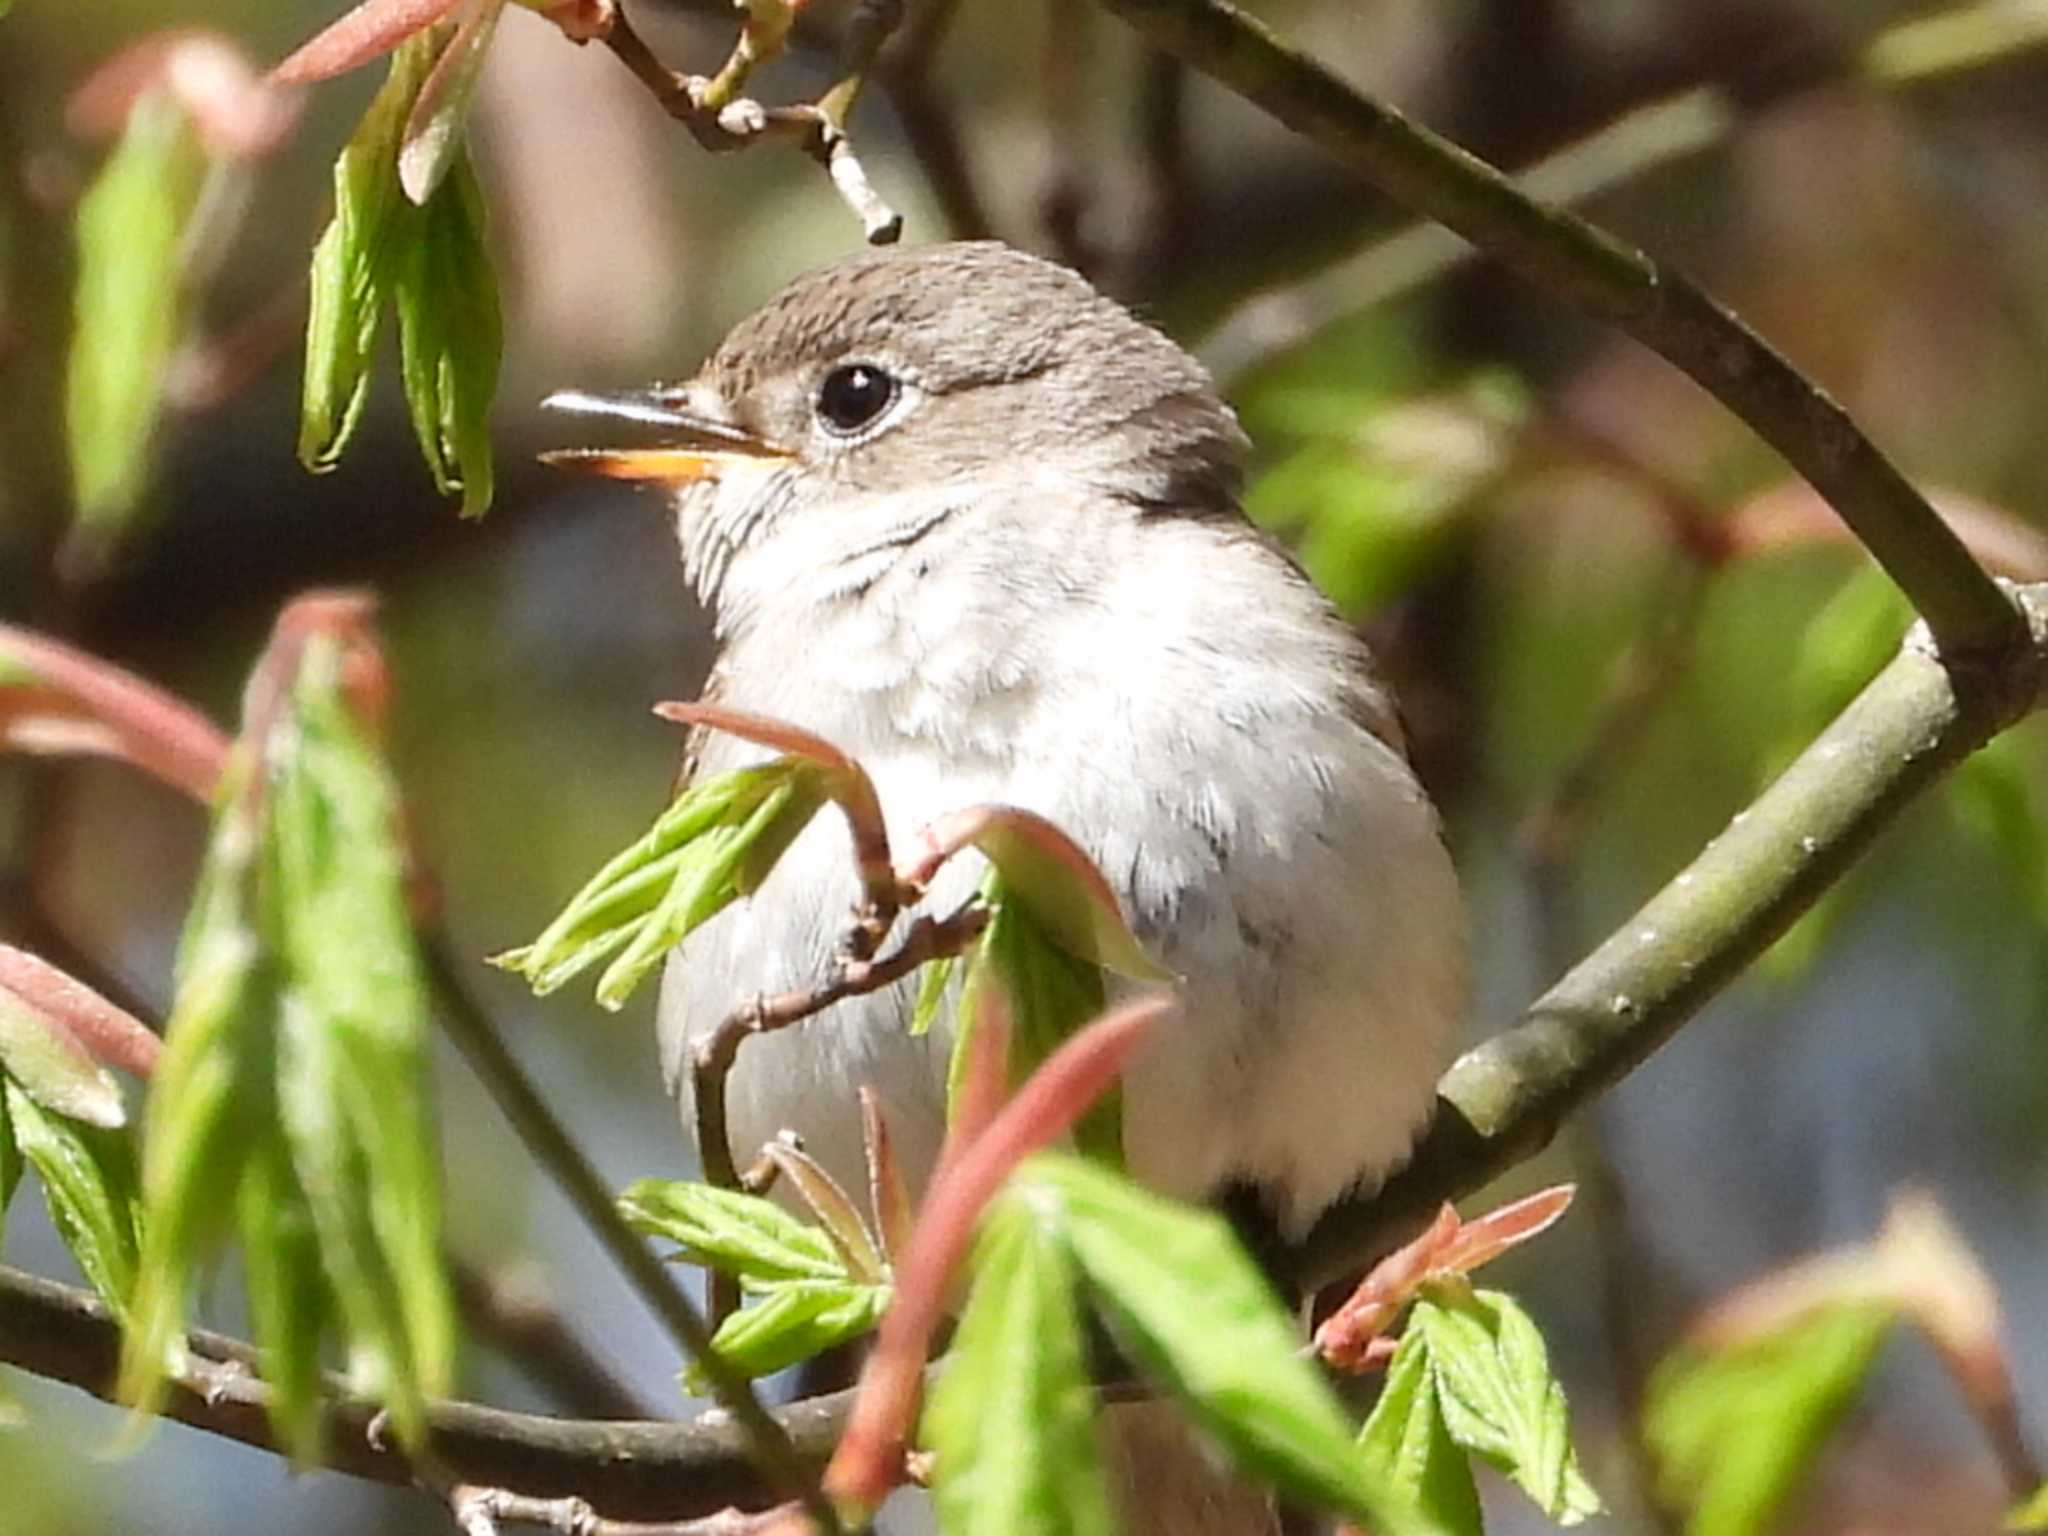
pixel 289 1299
pixel 1190 1307
pixel 2031 1513
pixel 739 1234
pixel 1735 1431
pixel 715 843
pixel 353 1048
pixel 1051 992
pixel 1012 1417
pixel 201 1114
pixel 53 1068
pixel 1408 1443
pixel 89 1185
pixel 355 264
pixel 933 980
pixel 433 138
pixel 1498 1397
pixel 10 1163
pixel 1377 498
pixel 793 1322
pixel 450 335
pixel 131 225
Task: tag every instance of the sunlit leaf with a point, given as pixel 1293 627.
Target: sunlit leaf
pixel 46 1059
pixel 715 843
pixel 289 1298
pixel 2031 1513
pixel 366 31
pixel 1498 1396
pixel 88 1178
pixel 434 130
pixel 354 1044
pixel 1735 1432
pixel 932 983
pixel 1406 1440
pixel 838 1216
pixel 355 265
pixel 1373 506
pixel 795 1321
pixel 1012 1418
pixel 131 224
pixel 450 334
pixel 743 1235
pixel 1187 1303
pixel 10 1163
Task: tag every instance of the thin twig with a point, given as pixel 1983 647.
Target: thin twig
pixel 549 1144
pixel 927 939
pixel 480 1511
pixel 1609 280
pixel 721 120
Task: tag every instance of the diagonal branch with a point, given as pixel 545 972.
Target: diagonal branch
pixel 1612 281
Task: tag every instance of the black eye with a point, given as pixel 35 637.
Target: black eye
pixel 854 395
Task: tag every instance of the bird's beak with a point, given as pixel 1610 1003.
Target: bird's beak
pixel 690 446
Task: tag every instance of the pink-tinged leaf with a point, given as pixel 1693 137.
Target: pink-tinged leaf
pixel 433 131
pixel 1352 1338
pixel 110 1034
pixel 1049 872
pixel 39 1053
pixel 239 114
pixel 888 1195
pixel 1791 515
pixel 833 1207
pixel 581 21
pixel 56 698
pixel 845 781
pixel 869 1459
pixel 368 32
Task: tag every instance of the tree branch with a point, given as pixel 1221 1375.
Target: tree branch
pixel 624 1468
pixel 1608 280
pixel 1502 1101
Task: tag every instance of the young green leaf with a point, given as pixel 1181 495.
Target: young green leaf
pixel 2031 1513
pixel 356 262
pixel 354 1042
pixel 1498 1397
pixel 1051 992
pixel 450 334
pixel 289 1299
pixel 89 1185
pixel 715 843
pixel 1012 1418
pixel 794 1321
pixel 131 225
pixel 1735 1431
pixel 1190 1307
pixel 10 1163
pixel 742 1235
pixel 1407 1442
pixel 932 983
pixel 50 1064
pixel 434 130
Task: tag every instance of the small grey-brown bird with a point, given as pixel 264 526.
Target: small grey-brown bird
pixel 972 521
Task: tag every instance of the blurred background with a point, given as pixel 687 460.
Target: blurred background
pixel 1608 613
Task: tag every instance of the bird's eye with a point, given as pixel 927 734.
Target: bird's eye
pixel 852 396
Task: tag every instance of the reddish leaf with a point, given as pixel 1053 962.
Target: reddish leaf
pixel 888 1195
pixel 1049 872
pixel 869 1460
pixel 369 31
pixel 239 114
pixel 57 699
pixel 110 1034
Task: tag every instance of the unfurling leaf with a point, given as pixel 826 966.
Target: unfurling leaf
pixel 1408 1443
pixel 1190 1307
pixel 434 130
pixel 355 265
pixel 450 334
pixel 1735 1431
pixel 793 1322
pixel 88 1179
pixel 52 1067
pixel 1012 1419
pixel 131 227
pixel 291 1097
pixel 1498 1396
pixel 714 844
pixel 746 1236
pixel 10 1162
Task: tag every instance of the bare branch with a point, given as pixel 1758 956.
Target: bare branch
pixel 1612 281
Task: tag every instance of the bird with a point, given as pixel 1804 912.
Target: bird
pixel 981 527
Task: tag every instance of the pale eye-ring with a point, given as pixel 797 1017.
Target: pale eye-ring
pixel 853 397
